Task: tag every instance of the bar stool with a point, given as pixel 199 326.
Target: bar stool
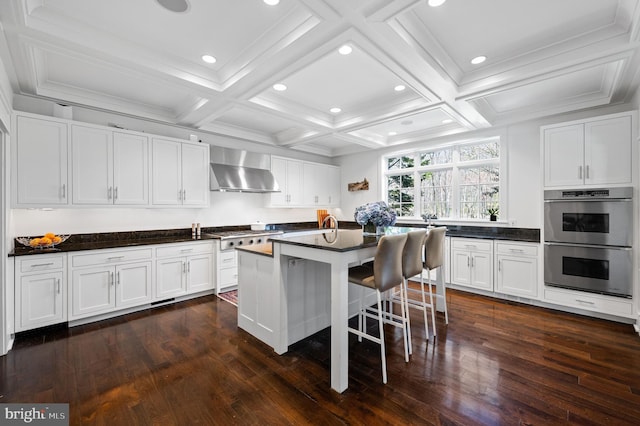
pixel 433 258
pixel 384 273
pixel 411 266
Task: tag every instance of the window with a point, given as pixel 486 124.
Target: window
pixel 459 181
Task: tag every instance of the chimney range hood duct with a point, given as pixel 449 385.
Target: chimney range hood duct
pixel 240 171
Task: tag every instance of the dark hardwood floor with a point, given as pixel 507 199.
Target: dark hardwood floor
pixel 496 363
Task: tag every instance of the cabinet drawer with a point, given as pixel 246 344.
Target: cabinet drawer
pixel 471 244
pixel 186 249
pixel 590 302
pixel 228 276
pixel 109 257
pixel 228 259
pixel 517 249
pixel 41 263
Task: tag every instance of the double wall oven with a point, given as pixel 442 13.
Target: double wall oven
pixel 588 237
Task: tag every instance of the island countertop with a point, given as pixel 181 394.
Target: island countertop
pixel 341 240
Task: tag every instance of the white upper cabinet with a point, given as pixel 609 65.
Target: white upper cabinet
pixel 321 185
pixel 589 152
pixel 40 158
pixel 180 173
pixel 289 176
pixel 130 169
pixel 305 184
pixel 109 167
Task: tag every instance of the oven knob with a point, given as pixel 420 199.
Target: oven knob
pixel 240 242
pixel 250 241
pixel 259 240
pixel 230 243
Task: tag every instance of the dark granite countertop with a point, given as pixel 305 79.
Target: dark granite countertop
pixel 107 240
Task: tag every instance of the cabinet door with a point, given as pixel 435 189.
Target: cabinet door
pixel 40 301
pixel 482 270
pixel 41 162
pixel 460 267
pixel 130 169
pixel 313 181
pixel 133 284
pixel 294 183
pixel 92 291
pixel 195 175
pixel 333 186
pixel 200 273
pixel 608 154
pixel 564 155
pixel 92 154
pixel 170 278
pixel 166 172
pixel 517 275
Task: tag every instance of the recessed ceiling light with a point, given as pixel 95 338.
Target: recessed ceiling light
pixel 436 3
pixel 335 110
pixel 208 59
pixel 345 50
pixel 177 6
pixel 447 121
pixel 478 60
pixel 399 88
pixel 392 133
pixel 279 87
pixel 271 2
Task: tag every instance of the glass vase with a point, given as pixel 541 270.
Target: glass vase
pixel 371 229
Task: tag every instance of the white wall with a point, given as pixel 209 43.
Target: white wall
pixel 524 173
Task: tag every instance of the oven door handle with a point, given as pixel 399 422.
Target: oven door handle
pixel 550 243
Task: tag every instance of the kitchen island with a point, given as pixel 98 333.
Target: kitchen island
pixel 304 300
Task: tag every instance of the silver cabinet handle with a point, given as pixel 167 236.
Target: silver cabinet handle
pixel 586 302
pixel 579 172
pixel 118 277
pixel 39 265
pixel 109 191
pixel 188 266
pixel 64 190
pixel 186 250
pixel 115 193
pixel 468 264
pixel 114 257
pixel 512 250
pixel 184 195
pixel 111 280
pixel 58 285
pixel 499 265
pixel 586 171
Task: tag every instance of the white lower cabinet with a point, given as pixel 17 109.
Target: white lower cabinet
pixel 40 291
pixel 104 281
pixel 590 302
pixel 517 269
pixel 472 263
pixel 183 268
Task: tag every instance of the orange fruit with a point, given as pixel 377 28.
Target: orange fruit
pixel 45 241
pixel 50 235
pixel 56 239
pixel 34 242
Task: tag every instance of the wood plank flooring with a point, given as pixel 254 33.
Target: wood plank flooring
pixel 496 363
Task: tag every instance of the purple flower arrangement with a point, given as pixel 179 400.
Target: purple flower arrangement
pixel 378 214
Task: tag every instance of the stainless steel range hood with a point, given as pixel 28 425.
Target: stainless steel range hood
pixel 241 171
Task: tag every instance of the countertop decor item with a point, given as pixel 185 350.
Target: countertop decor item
pixel 374 217
pixel 493 213
pixel 48 240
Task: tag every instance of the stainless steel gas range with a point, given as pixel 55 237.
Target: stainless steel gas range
pixel 226 260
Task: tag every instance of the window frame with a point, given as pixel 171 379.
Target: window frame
pixel 455 166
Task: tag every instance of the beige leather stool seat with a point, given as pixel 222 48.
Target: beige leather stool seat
pixel 384 273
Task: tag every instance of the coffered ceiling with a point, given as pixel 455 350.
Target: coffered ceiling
pixel 139 58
